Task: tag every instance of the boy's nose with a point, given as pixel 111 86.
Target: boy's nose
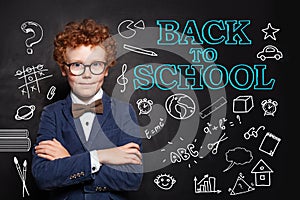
pixel 87 72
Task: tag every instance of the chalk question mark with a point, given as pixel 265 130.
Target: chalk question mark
pixel 37 34
pixel 239 118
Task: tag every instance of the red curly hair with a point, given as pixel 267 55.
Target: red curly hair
pixel 87 32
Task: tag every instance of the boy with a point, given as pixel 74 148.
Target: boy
pixel 83 150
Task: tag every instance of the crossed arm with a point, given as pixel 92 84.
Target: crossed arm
pixel 126 154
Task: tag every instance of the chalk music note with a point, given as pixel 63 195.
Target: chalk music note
pixel 122 80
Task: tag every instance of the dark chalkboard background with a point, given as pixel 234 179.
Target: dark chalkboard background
pixel 53 15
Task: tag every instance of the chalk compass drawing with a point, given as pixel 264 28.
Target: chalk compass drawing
pixel 31 77
pixel 214 146
pixel 252 132
pixel 122 80
pixel 206 185
pixel 240 186
pixel 22 174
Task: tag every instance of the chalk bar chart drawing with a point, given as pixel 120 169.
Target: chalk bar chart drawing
pixel 206 185
pixel 14 140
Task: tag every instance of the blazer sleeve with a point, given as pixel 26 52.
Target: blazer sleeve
pixel 123 177
pixel 60 172
pixel 77 168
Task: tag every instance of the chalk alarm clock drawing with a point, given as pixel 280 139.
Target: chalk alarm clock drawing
pixel 269 107
pixel 144 106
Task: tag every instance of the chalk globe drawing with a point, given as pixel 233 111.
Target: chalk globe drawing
pixel 180 106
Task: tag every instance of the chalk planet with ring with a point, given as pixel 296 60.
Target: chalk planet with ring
pixel 27 110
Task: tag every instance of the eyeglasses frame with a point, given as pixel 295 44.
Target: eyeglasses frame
pixel 85 66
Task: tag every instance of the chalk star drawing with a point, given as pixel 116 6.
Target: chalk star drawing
pixel 270 32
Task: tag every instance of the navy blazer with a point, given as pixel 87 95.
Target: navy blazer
pixel 71 177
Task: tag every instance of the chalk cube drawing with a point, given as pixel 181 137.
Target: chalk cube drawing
pixel 243 104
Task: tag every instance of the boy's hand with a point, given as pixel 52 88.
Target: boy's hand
pixel 126 154
pixel 51 150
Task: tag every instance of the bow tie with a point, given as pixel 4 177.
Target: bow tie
pixel 79 109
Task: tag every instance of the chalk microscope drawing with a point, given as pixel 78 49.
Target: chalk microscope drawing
pixel 37 34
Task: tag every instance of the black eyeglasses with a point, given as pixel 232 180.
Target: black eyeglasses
pixel 77 68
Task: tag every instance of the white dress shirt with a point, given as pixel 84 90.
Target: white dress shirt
pixel 86 121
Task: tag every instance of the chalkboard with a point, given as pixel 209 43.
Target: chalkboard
pixel 211 72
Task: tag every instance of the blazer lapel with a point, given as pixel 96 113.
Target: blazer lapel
pixel 106 109
pixel 67 111
pixel 98 123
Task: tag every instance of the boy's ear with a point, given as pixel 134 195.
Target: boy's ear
pixel 106 71
pixel 63 71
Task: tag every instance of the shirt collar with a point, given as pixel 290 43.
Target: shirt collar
pixel 97 96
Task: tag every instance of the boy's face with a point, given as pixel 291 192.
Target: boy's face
pixel 85 86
